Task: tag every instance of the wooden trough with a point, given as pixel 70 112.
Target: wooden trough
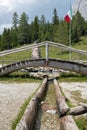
pixel 28 119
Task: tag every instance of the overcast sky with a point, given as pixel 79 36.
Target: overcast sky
pixel 31 8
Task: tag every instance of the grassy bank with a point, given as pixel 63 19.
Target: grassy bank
pixel 20 76
pixel 82 123
pixel 72 77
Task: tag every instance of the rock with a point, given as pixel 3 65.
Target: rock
pixel 44 106
pixel 51 111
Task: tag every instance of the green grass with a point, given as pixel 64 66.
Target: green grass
pixel 54 52
pixel 66 99
pixel 82 43
pixel 77 96
pixel 69 103
pixel 14 57
pixel 20 114
pixel 72 77
pixel 81 123
pixel 19 76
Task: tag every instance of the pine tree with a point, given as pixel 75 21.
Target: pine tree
pixel 63 33
pixel 15 20
pixel 14 30
pixel 6 39
pixel 55 24
pixel 42 28
pixel 0 37
pixel 36 28
pixel 49 32
pixel 55 17
pixel 23 29
pixel 78 27
pixel 86 28
pixel 14 38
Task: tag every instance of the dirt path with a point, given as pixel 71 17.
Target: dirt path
pixel 12 96
pixel 76 92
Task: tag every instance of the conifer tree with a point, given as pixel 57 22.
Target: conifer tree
pixel 23 30
pixel 15 20
pixel 6 39
pixel 42 28
pixel 55 17
pixel 36 28
pixel 78 27
pixel 55 24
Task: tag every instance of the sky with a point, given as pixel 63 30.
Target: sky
pixel 32 8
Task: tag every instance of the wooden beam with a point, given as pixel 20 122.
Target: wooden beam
pixel 83 104
pixel 68 123
pixel 78 110
pixel 28 119
pixel 62 106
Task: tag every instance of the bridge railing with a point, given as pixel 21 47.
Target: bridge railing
pixel 48 50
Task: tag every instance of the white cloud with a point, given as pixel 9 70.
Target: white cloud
pixel 8 7
pixel 30 7
pixel 4 26
pixel 26 1
pixel 12 4
pixel 6 4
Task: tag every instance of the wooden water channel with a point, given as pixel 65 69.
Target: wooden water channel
pixel 47 117
pixel 48 110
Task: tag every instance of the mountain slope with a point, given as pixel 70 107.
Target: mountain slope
pixel 80 5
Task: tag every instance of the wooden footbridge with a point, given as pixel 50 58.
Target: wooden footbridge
pixel 65 119
pixel 46 62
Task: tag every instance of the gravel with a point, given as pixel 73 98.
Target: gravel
pixel 12 96
pixel 70 88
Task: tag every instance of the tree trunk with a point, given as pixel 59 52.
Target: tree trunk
pixel 62 106
pixel 67 123
pixel 83 104
pixel 78 110
pixel 28 119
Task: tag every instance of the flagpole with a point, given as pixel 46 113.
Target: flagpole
pixel 68 19
pixel 70 35
pixel 70 40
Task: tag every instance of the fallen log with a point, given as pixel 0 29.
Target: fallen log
pixel 29 117
pixel 68 123
pixel 77 110
pixel 83 104
pixel 62 106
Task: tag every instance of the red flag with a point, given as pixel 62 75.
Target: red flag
pixel 68 16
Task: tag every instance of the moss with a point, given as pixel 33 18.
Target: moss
pixel 81 123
